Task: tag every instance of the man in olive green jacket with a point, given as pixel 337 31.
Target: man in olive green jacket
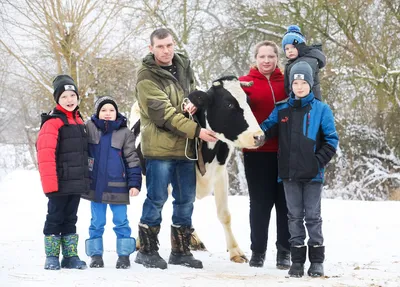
pixel 167 135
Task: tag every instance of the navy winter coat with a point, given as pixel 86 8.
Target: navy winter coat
pixel 114 165
pixel 307 137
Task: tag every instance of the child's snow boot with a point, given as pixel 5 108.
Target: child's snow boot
pixel 52 245
pixel 125 247
pixel 316 255
pixel 69 244
pixel 298 258
pixel 94 249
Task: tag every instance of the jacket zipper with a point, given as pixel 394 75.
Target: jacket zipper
pixel 123 165
pixel 308 120
pixel 81 138
pixel 272 91
pixel 308 123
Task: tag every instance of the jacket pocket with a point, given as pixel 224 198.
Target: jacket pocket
pixel 123 166
pixel 115 165
pixel 307 163
pixel 165 140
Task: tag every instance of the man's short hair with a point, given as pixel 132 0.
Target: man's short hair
pixel 160 33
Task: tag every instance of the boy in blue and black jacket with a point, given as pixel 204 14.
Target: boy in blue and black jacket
pixel 115 174
pixel 307 142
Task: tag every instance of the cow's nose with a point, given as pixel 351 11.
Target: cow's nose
pixel 259 140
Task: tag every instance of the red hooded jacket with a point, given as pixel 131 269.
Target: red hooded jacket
pixel 263 95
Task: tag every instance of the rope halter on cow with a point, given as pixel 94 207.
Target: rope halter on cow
pixel 185 102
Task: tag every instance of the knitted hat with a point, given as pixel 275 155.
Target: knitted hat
pixel 293 36
pixel 61 84
pixel 102 101
pixel 301 71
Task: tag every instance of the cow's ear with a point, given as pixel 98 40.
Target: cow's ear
pixel 200 99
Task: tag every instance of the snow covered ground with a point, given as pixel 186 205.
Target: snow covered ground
pixel 361 238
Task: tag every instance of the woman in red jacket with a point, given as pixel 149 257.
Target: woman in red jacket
pixel 261 165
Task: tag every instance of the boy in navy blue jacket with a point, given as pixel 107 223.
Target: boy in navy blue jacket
pixel 307 142
pixel 115 174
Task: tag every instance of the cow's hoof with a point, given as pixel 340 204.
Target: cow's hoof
pixel 239 259
pixel 196 244
pixel 198 247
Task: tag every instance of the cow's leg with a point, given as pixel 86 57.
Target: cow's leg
pixel 196 243
pixel 224 216
pixel 203 188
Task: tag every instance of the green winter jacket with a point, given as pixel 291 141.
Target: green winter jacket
pixel 163 126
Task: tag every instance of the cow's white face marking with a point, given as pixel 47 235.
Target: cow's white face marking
pixel 246 138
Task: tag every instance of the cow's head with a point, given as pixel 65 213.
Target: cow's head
pixel 228 114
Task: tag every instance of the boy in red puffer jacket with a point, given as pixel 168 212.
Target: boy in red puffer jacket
pixel 62 151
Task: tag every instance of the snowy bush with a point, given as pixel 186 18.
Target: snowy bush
pixel 365 167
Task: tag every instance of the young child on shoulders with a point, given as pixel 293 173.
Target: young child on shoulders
pixel 62 154
pixel 115 174
pixel 295 48
pixel 307 141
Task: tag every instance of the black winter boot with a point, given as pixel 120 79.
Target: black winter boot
pixel 148 252
pixel 283 259
pixel 96 261
pixel 123 262
pixel 257 259
pixel 180 252
pixel 316 255
pixel 298 258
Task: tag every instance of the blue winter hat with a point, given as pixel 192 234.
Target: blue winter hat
pixel 301 71
pixel 293 36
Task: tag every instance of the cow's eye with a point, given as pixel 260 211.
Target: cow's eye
pixel 230 106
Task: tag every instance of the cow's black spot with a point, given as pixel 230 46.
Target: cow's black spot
pixel 220 150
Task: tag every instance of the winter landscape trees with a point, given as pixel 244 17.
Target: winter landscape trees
pixel 100 43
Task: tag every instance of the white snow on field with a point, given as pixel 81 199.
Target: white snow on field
pixel 361 238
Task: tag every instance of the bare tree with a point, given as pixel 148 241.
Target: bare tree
pixel 69 37
pixel 86 39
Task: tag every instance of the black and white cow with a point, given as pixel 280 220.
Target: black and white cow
pixel 223 109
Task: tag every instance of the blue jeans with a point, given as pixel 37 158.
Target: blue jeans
pixel 98 221
pixel 303 200
pixel 182 176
